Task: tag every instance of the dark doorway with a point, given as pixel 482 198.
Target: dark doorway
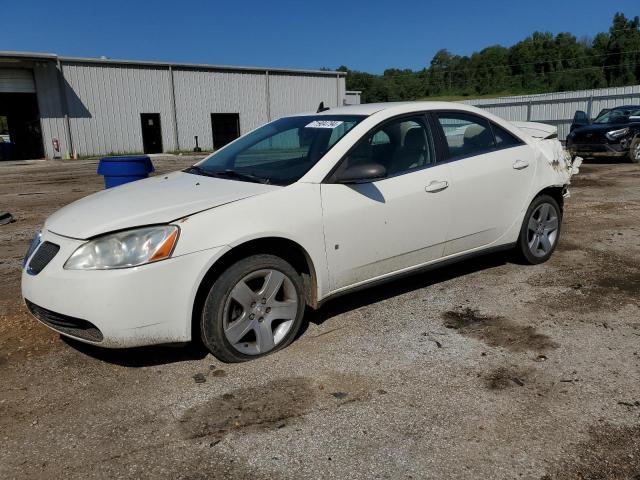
pixel 20 131
pixel 151 133
pixel 226 128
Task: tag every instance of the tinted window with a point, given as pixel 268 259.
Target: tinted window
pixel 400 146
pixel 503 138
pixel 280 152
pixel 466 134
pixel 617 115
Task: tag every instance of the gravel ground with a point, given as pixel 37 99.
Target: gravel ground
pixel 487 369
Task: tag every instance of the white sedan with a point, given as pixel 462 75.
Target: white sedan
pixel 232 250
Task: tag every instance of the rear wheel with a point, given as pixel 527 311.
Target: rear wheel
pixel 540 230
pixel 254 308
pixel 634 151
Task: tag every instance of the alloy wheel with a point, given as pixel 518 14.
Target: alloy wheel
pixel 259 311
pixel 542 230
pixel 636 151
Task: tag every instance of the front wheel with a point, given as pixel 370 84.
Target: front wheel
pixel 634 151
pixel 254 308
pixel 540 230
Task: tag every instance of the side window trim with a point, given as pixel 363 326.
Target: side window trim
pixel 450 158
pixel 439 139
pixel 330 178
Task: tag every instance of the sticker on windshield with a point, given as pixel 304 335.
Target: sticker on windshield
pixel 324 124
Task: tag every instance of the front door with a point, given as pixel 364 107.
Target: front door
pixel 151 133
pixel 393 224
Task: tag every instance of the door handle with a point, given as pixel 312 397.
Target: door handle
pixel 436 186
pixel 520 164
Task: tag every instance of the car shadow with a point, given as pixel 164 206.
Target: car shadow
pixel 138 357
pixel 393 288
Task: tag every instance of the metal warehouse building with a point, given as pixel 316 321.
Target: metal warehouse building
pixel 53 106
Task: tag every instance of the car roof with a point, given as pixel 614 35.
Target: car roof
pixel 371 108
pixel 627 107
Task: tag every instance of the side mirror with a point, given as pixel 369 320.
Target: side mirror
pixel 362 173
pixel 580 118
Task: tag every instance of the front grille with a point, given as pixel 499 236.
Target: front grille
pixel 589 147
pixel 590 138
pixel 75 327
pixel 42 257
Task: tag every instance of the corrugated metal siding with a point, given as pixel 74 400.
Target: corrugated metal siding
pixel 105 103
pixel 558 108
pixel 201 93
pixel 50 107
pixel 16 80
pixel 352 97
pixel 294 94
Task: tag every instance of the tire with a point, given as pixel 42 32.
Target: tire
pixel 634 151
pixel 532 247
pixel 254 308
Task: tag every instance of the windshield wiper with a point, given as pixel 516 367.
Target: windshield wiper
pixel 250 177
pixel 229 173
pixel 199 171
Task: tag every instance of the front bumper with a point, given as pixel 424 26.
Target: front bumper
pixel 597 150
pixel 129 307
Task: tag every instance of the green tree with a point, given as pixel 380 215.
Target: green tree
pixel 540 63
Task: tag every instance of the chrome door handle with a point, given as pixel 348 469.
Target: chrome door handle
pixel 520 164
pixel 436 186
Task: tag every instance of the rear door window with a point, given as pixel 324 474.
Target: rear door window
pixel 466 134
pixel 503 138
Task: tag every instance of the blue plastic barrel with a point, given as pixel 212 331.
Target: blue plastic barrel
pixel 121 170
pixel 6 149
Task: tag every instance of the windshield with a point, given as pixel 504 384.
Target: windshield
pixel 618 115
pixel 280 152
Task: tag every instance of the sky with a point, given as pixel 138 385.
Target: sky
pixel 363 35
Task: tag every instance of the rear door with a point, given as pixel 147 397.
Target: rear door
pixel 389 225
pixel 491 172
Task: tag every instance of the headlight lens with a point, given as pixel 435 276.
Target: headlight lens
pixel 125 249
pixel 617 134
pixel 37 239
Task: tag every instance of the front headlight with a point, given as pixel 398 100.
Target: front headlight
pixel 617 134
pixel 35 243
pixel 125 249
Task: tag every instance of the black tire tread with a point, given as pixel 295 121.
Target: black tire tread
pixel 522 248
pixel 211 330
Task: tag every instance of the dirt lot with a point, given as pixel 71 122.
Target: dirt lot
pixel 484 370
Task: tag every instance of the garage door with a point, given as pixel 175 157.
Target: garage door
pixel 18 80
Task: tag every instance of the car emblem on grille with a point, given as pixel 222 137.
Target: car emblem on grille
pixel 589 135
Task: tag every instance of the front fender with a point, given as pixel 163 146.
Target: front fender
pixel 293 213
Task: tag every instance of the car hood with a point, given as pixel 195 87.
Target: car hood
pixel 160 199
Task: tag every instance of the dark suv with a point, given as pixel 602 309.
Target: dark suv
pixel 614 133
